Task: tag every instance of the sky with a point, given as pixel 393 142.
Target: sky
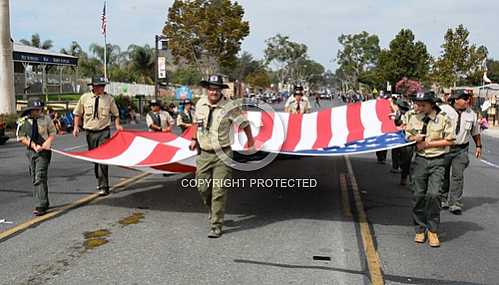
pixel 316 23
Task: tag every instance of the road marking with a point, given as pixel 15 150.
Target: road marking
pixel 74 147
pixel 345 202
pixel 57 212
pixel 373 261
pixel 489 163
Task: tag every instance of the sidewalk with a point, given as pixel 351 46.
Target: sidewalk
pixel 492 132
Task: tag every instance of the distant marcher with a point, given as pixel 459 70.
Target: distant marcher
pixel 158 120
pixel 172 110
pixel 184 119
pixel 96 108
pixel 36 131
pixel 297 104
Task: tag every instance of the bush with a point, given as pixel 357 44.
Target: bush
pixel 8 122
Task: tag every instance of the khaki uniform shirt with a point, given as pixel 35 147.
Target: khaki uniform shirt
pixel 292 104
pixel 439 128
pixel 85 108
pixel 219 132
pixel 469 124
pixel 165 118
pixel 407 116
pixel 45 127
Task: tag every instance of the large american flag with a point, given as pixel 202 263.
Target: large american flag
pixel 350 129
pixel 103 20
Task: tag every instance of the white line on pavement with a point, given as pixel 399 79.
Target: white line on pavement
pixel 74 147
pixel 489 163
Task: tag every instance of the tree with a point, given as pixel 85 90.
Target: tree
pixel 74 50
pixel 285 55
pixel 259 78
pixel 358 54
pixel 206 33
pixel 460 62
pixel 245 65
pixel 309 70
pixel 141 63
pixel 187 76
pixel 113 53
pixel 404 58
pixel 493 70
pixel 36 42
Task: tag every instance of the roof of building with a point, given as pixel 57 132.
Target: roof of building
pixel 18 47
pixel 34 55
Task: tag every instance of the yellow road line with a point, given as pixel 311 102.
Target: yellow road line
pixel 83 201
pixel 345 202
pixel 373 261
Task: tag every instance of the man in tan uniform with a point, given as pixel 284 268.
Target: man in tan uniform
pixel 158 120
pixel 96 108
pixel 466 126
pixel 298 104
pixel 433 133
pixel 214 119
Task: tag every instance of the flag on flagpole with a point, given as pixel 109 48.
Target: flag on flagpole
pixel 103 20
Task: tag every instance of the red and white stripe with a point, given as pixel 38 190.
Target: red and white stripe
pixel 273 132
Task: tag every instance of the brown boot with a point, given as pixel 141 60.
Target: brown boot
pixel 433 239
pixel 420 237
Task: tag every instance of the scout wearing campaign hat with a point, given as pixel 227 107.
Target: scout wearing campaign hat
pixel 33 104
pixel 298 104
pixel 96 109
pixel 214 119
pixel 433 133
pixel 36 131
pixel 98 80
pixel 214 81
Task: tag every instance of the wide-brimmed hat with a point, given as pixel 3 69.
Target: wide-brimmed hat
pixel 403 105
pixel 298 88
pixel 155 102
pixel 98 80
pixel 34 103
pixel 427 96
pixel 186 101
pixel 461 94
pixel 214 80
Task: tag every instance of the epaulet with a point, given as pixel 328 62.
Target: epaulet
pixel 21 120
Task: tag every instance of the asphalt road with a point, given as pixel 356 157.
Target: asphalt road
pixel 154 232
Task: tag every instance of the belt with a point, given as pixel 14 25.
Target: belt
pixel 460 146
pixel 431 158
pixel 97 131
pixel 214 151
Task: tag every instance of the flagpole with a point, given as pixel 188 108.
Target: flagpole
pixel 105 56
pixel 105 41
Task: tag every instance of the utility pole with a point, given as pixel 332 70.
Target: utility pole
pixel 7 93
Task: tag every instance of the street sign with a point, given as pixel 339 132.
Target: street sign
pixel 161 67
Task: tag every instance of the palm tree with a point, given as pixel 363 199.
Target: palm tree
pixel 113 54
pixel 142 62
pixel 36 42
pixel 74 50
